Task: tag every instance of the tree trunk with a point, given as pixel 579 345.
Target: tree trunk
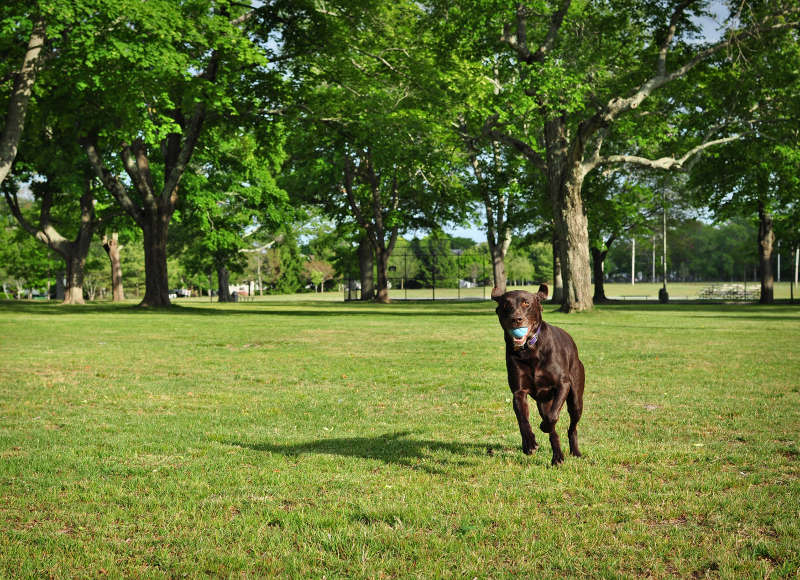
pixel 75 267
pixel 366 266
pixel 60 286
pixel 156 293
pixel 223 281
pixel 498 210
pixel 564 181
pixel 558 280
pixel 499 270
pixel 20 97
pixel 766 240
pixel 383 278
pixel 573 232
pixel 598 261
pixel 112 248
pixel 498 249
pixel 260 280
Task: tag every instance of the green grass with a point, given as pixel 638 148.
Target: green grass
pixel 303 439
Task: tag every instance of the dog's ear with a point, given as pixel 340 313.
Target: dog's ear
pixel 542 292
pixel 497 294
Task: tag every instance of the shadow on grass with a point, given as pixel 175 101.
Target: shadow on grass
pixel 750 311
pixel 266 308
pixel 392 448
pixel 409 308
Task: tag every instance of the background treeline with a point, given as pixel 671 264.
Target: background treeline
pixel 699 252
pixel 296 144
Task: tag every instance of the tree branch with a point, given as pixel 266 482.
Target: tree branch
pixel 191 134
pixel 20 97
pixel 666 163
pixel 131 161
pixel 347 189
pixel 379 58
pixel 529 152
pixel 519 39
pixel 555 25
pixel 13 205
pixel 619 105
pixel 45 233
pixel 110 181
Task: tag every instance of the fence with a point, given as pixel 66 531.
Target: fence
pixel 457 275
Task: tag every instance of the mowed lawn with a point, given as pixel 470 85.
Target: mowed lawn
pixel 311 439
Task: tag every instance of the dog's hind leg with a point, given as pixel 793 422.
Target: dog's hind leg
pixel 575 410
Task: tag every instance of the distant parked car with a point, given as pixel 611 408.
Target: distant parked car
pixel 179 293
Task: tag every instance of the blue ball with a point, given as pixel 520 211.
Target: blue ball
pixel 519 332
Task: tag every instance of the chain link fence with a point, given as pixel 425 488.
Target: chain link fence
pixel 457 275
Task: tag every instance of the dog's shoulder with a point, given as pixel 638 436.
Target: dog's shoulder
pixel 558 336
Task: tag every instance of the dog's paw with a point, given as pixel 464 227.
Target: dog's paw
pixel 529 449
pixel 557 460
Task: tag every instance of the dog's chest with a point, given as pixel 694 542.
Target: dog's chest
pixel 534 369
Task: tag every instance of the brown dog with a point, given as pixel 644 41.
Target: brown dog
pixel 542 361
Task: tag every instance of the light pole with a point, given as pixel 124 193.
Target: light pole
pixel 663 295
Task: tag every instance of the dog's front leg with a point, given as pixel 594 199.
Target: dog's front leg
pixel 549 410
pixel 522 412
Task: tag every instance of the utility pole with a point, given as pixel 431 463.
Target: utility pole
pixel 663 295
pixel 653 276
pixel 633 261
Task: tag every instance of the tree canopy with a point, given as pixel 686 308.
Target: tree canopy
pixel 228 123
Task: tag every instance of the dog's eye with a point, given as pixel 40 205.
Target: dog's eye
pixel 525 303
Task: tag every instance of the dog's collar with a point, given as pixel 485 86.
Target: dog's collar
pixel 531 343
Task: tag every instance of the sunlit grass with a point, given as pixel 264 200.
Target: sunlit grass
pixel 304 439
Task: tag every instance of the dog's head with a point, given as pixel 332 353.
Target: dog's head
pixel 520 313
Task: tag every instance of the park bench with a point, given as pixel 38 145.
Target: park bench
pixel 729 292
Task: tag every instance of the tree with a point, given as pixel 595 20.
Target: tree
pixel 319 272
pixel 437 263
pixel 283 264
pixel 367 146
pixel 496 177
pixel 579 72
pixel 24 262
pixel 616 205
pixel 757 175
pixel 74 251
pixel 495 181
pixel 144 114
pixel 112 247
pixel 46 168
pixel 64 196
pixel 233 197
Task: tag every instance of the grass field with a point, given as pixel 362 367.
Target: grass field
pixel 310 439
